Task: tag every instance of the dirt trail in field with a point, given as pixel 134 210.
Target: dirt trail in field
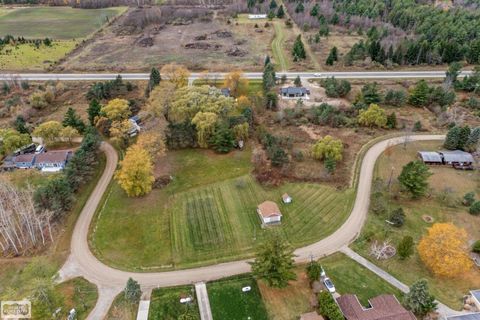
pixel 110 281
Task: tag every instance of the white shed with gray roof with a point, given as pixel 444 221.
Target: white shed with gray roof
pixel 456 157
pixel 430 157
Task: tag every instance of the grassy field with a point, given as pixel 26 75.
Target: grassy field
pixel 54 22
pixel 277 46
pixel 165 304
pixel 443 204
pixel 229 302
pixel 208 215
pixel 80 294
pixel 27 56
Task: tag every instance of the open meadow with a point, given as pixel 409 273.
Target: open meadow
pixel 207 215
pixel 443 204
pixel 165 304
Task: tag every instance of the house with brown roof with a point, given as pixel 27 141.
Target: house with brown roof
pixel 383 307
pixel 24 161
pixel 52 161
pixel 269 213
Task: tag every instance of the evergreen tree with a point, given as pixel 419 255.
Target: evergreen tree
pixel 269 77
pixel 314 11
pixel 473 139
pixel 132 291
pixel 222 140
pixel 452 73
pixel 280 12
pixel 419 97
pixel 274 262
pixel 414 178
pixel 314 269
pixel 405 247
pixel 392 121
pixel 298 49
pixel 273 5
pixel 71 119
pixel 267 61
pixel 332 57
pixel 155 79
pixel 20 125
pixel 299 8
pixel 251 3
pixel 330 164
pixel 93 111
pixel 371 93
pixel 452 139
pixel 297 82
pixel 419 300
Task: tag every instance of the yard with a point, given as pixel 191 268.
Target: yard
pixel 165 304
pixel 443 204
pixel 229 302
pixel 208 215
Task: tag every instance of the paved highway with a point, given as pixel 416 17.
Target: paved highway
pixel 249 75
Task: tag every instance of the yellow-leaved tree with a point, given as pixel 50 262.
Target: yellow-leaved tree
pixel 328 148
pixel 176 74
pixel 237 84
pixel 152 142
pixel 49 131
pixel 374 116
pixel 135 175
pixel 205 124
pixel 116 110
pixel 444 250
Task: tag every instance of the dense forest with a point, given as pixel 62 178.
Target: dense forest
pixel 403 32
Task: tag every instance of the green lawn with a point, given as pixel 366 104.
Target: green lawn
pixel 63 23
pixel 351 277
pixel 278 44
pixel 442 205
pixel 165 304
pixel 229 302
pixel 80 294
pixel 208 215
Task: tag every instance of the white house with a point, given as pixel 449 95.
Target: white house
pixel 257 16
pixel 269 213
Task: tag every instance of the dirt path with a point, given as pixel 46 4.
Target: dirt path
pixel 110 281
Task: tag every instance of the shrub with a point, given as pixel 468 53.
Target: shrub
pixel 38 101
pixel 314 270
pixel 468 199
pixel 336 88
pixel 328 307
pixel 396 98
pixel 475 208
pixel 397 217
pixel 405 247
pixel 476 247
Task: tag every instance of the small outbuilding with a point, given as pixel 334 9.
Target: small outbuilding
pixel 457 158
pixel 225 92
pixel 430 157
pixel 269 213
pixel 286 198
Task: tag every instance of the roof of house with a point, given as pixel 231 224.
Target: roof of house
pixel 52 157
pixel 476 294
pixel 29 157
pixel 468 316
pixel 269 208
pixel 430 156
pixel 225 92
pixel 294 90
pixel 457 156
pixel 383 307
pixel 311 316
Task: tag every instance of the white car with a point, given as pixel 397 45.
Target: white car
pixel 318 75
pixel 40 149
pixel 246 289
pixel 329 285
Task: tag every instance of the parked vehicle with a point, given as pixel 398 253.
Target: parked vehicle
pixel 29 148
pixel 186 300
pixel 329 285
pixel 246 289
pixel 40 149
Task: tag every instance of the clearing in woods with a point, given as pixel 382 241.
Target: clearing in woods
pixel 208 215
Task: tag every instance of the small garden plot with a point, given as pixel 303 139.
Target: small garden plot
pixel 228 301
pixel 165 304
pixel 78 294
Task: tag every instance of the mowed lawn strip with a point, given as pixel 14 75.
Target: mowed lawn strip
pixel 165 304
pixel 227 300
pixel 62 23
pixel 207 215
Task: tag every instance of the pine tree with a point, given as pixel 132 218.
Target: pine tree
pixel 93 111
pixel 419 97
pixel 332 56
pixel 274 262
pixel 299 8
pixel 392 121
pixel 222 140
pixel 297 82
pixel 155 78
pixel 463 137
pixel 280 12
pixel 269 77
pixel 330 164
pixel 71 119
pixel 452 139
pixel 251 3
pixel 414 178
pixel 273 5
pixel 314 269
pixel 20 125
pixel 298 49
pixel 132 291
pixel 405 247
pixel 267 60
pixel 314 11
pixel 419 300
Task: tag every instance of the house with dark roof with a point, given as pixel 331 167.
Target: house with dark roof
pixel 383 307
pixel 466 316
pixel 430 157
pixel 294 92
pixel 269 213
pixel 476 298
